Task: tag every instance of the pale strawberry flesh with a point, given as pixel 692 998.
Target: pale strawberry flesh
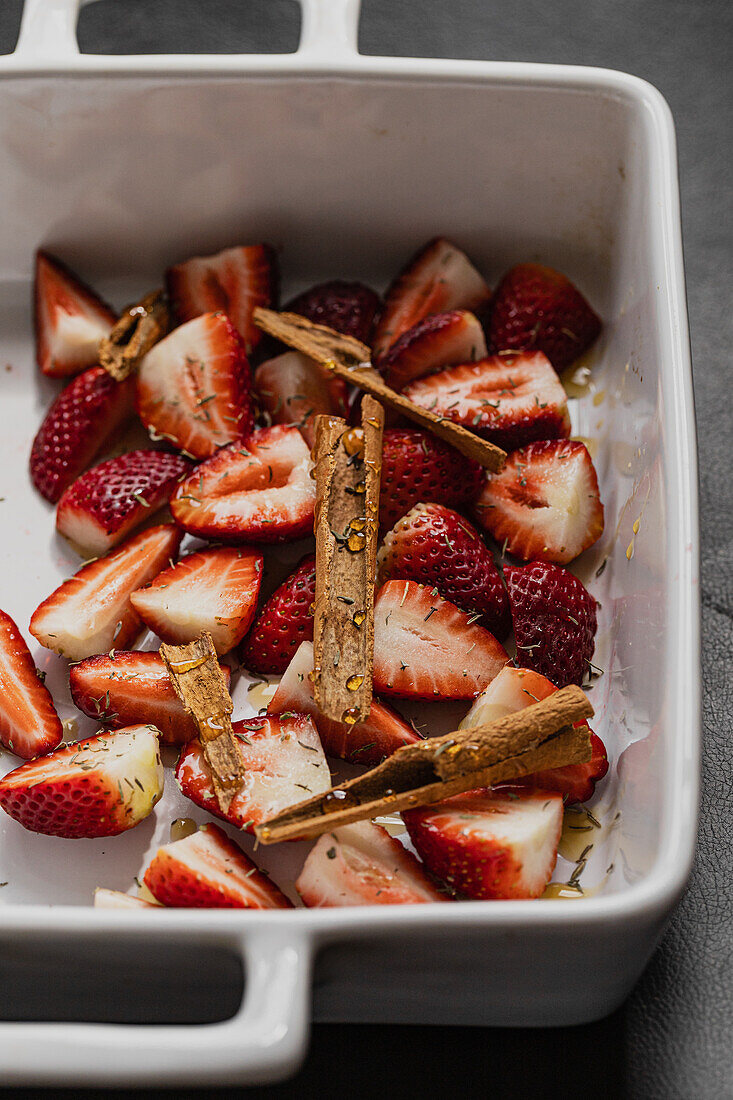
pixel 439 340
pixel 293 389
pixel 284 621
pixel 29 724
pixel 70 319
pixel 418 468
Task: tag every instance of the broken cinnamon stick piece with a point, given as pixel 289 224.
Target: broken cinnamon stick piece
pixel 348 468
pixel 536 738
pixel 200 685
pixel 138 328
pixel 349 360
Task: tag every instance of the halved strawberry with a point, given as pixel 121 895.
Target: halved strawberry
pixel 82 419
pixel 439 340
pixel 115 899
pixel 207 870
pixel 90 612
pixel 100 786
pixel 284 621
pixel 70 319
pixel 438 547
pixel 426 647
pixel 439 277
pixel 126 687
pixel 507 399
pixel 193 387
pixel 361 864
pixel 235 281
pixel 554 619
pixel 367 742
pixel 106 503
pixel 294 389
pixel 351 308
pixel 575 782
pixel 283 761
pixel 214 590
pixel 537 307
pixel 29 724
pixel 489 844
pixel 261 492
pixel 418 467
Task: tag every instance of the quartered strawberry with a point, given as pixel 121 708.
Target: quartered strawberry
pixel 417 467
pixel 261 492
pixel 351 308
pixel 439 278
pixel 426 647
pixel 439 340
pixel 367 742
pixel 126 688
pixel 82 419
pixel 535 307
pixel 554 619
pixel 115 899
pixel 361 864
pixel 193 387
pixel 91 611
pixel 283 761
pixel 507 399
pixel 234 281
pixel 214 590
pixel 70 319
pixel 284 621
pixel 438 547
pixel 29 724
pixel 293 389
pixel 106 503
pixel 545 504
pixel 100 786
pixel 575 782
pixel 490 844
pixel 207 870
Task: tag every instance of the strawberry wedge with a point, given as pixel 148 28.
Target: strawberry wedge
pixel 91 611
pixel 207 870
pixel 367 742
pixel 261 492
pixel 427 648
pixel 294 389
pixel 284 621
pixel 440 340
pixel 101 786
pixel 70 319
pixel 417 467
pixel 115 899
pixel 362 864
pixel 29 724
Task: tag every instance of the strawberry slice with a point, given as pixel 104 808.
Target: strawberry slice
pixel 214 590
pixel 29 724
pixel 361 864
pixel 115 899
pixel 126 688
pixel 293 389
pixel 101 786
pixel 284 622
pixel 367 742
pixel 536 307
pixel 82 419
pixel 284 764
pixel 437 341
pixel 507 399
pixel 438 278
pixel 193 387
pixel 545 504
pixel 90 612
pixel 351 308
pixel 106 503
pixel 438 547
pixel 418 467
pixel 207 870
pixel 234 281
pixel 488 844
pixel 70 319
pixel 426 647
pixel 262 492
pixel 554 619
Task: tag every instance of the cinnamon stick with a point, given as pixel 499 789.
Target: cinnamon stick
pixel 138 328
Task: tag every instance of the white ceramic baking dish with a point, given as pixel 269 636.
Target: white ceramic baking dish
pixel 124 164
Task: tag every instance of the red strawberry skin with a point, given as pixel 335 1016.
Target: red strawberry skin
pixel 554 619
pixel 80 421
pixel 536 307
pixel 70 319
pixel 437 547
pixel 418 468
pixel 351 308
pixel 576 782
pixel 435 342
pixel 29 724
pixel 284 621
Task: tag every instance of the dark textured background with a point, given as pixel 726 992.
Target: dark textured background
pixel 674 1037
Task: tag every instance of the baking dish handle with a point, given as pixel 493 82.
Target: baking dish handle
pixel 329 31
pixel 264 1041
